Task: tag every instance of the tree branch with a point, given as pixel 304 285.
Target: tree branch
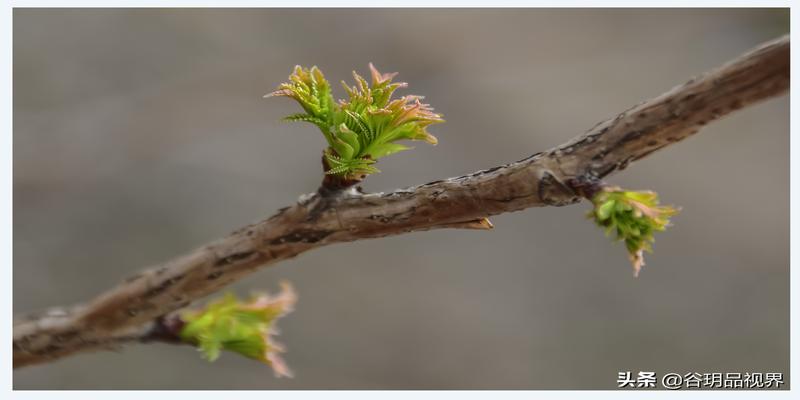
pixel 134 310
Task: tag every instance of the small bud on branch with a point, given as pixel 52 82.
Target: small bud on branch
pixel 633 216
pixel 244 327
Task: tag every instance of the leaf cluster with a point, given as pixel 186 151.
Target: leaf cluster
pixel 243 327
pixel 633 217
pixel 363 128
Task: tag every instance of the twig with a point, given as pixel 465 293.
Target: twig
pixel 132 310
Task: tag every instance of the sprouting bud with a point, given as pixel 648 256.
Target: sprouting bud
pixel 363 128
pixel 244 327
pixel 633 217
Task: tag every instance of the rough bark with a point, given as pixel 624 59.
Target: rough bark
pixel 557 177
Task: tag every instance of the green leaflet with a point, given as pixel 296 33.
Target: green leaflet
pixel 633 216
pixel 385 149
pixel 363 128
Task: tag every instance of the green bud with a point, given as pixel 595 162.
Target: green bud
pixel 244 327
pixel 363 128
pixel 633 216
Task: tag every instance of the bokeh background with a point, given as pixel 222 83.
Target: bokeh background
pixel 141 134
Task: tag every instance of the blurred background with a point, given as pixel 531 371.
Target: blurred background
pixel 141 134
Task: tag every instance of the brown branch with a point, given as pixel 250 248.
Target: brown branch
pixel 560 176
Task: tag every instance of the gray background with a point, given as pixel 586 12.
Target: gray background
pixel 140 134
